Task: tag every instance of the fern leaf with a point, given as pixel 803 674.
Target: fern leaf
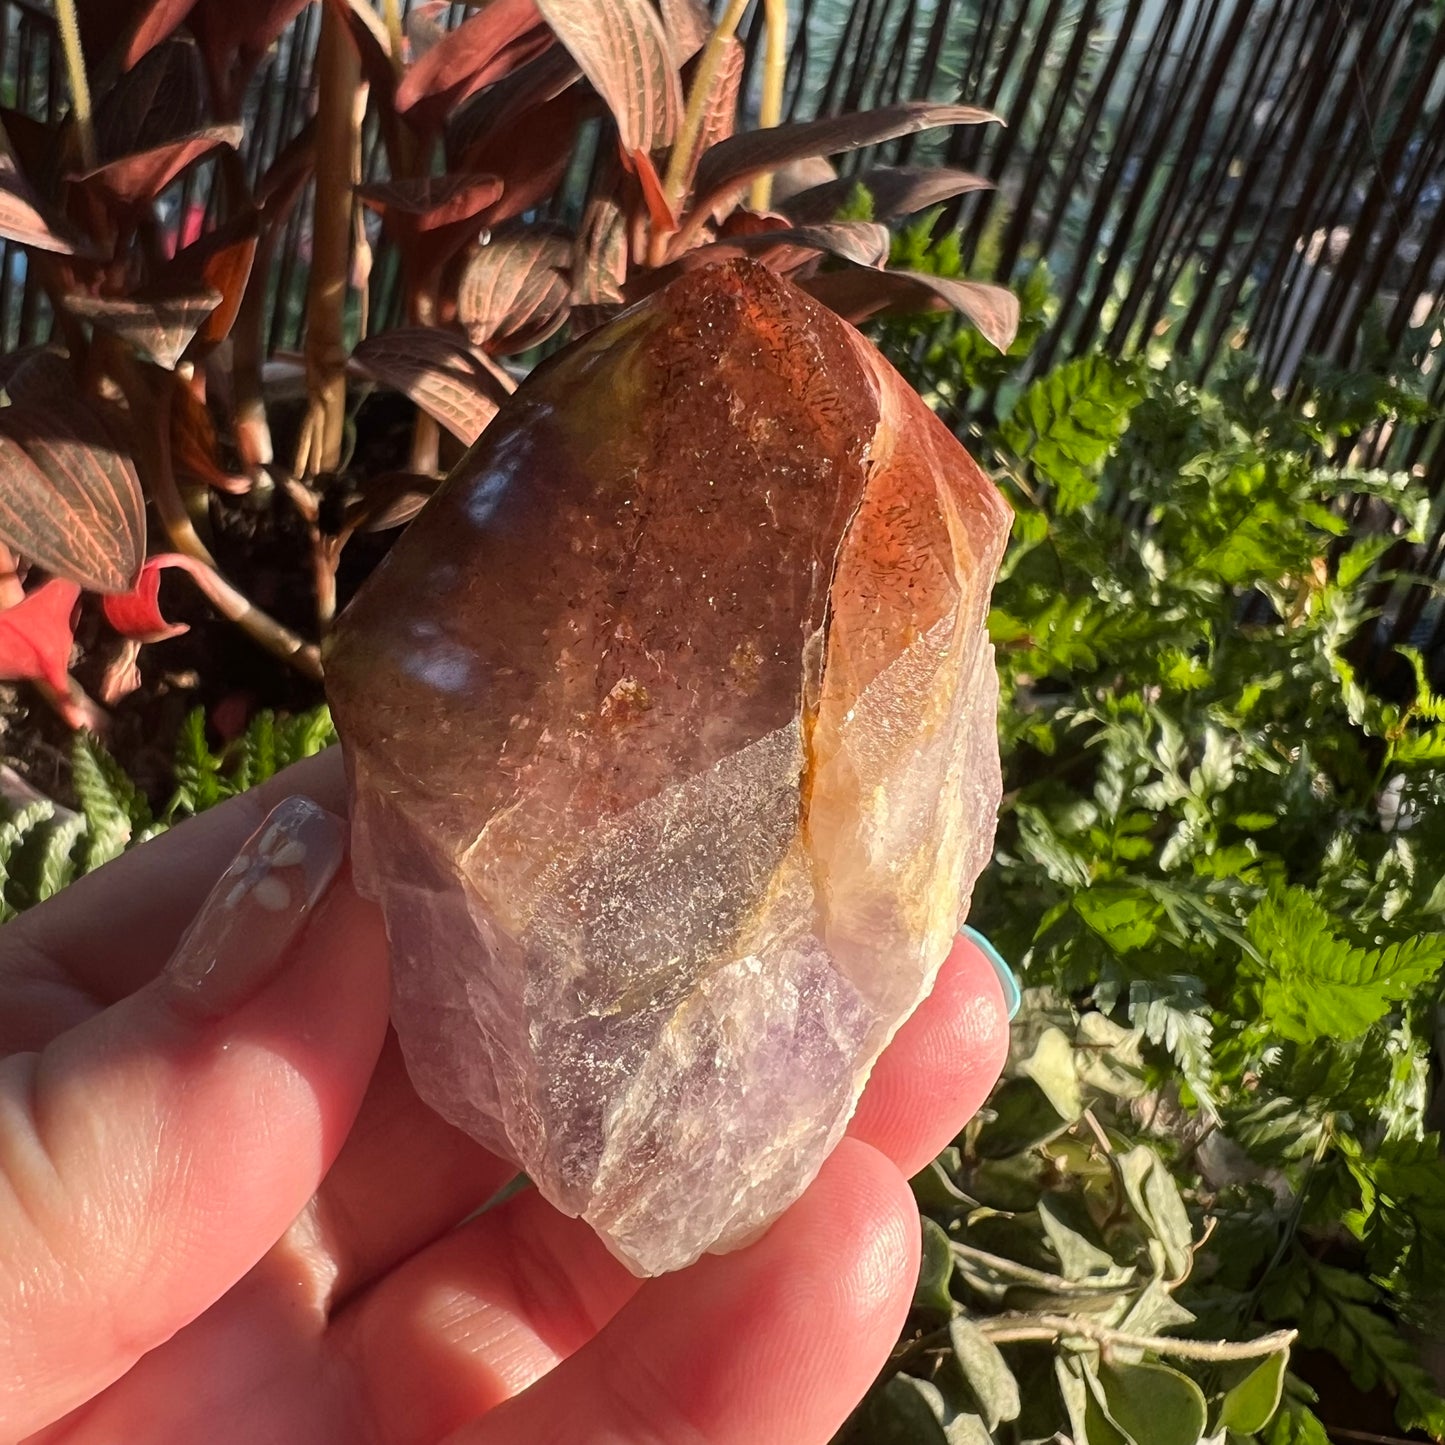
pixel 114 808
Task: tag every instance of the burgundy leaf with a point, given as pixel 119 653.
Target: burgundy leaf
pixel 35 373
pixel 491 118
pixel 688 24
pixel 427 203
pixel 530 155
pixel 857 294
pixel 624 51
pixel 138 179
pixel 157 101
pixel 861 243
pixel 137 614
pixel 864 243
pixel 283 179
pixel 71 502
pixel 515 290
pixel 219 262
pixel 233 36
pixel 156 22
pixel 438 372
pixel 483 48
pixel 36 635
pixel 159 325
pixel 896 191
pixel 195 452
pixel 599 255
pixel 23 218
pixel 738 159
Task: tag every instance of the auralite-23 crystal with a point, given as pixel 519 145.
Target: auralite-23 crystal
pixel 671 730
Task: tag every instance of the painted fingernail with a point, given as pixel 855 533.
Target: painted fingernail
pixel 240 938
pixel 1012 993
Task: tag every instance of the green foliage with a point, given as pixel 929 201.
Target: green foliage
pixel 1219 870
pixel 43 846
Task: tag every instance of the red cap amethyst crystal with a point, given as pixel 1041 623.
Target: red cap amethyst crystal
pixel 671 733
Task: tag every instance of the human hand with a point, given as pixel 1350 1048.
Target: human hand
pixel 226 1216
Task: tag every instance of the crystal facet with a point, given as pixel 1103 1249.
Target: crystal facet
pixel 671 732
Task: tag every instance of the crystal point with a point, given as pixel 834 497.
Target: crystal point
pixel 671 731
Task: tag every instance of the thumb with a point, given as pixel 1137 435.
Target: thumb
pixel 150 1156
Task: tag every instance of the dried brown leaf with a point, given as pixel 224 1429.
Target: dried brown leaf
pixel 624 51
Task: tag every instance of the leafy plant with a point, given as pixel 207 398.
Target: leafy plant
pixel 44 847
pixel 152 401
pixel 1219 866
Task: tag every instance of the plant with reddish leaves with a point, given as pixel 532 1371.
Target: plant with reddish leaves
pixel 159 323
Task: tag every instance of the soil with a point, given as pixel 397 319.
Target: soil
pixel 260 542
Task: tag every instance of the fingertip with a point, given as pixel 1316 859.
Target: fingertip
pixel 774 1343
pixel 941 1065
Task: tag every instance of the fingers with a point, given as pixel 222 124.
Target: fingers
pixel 773 1345
pixel 110 932
pixel 149 1157
pixel 402 1180
pixel 940 1066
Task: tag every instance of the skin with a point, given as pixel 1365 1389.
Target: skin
pixel 249 1228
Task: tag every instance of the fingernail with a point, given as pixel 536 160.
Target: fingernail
pixel 240 938
pixel 1012 993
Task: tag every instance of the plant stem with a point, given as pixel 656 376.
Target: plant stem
pixel 391 12
pixel 680 160
pixel 337 124
pixel 770 109
pixel 1043 1328
pixel 69 27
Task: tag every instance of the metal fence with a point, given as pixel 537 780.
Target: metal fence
pixel 1201 174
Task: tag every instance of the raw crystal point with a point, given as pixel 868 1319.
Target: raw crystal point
pixel 671 732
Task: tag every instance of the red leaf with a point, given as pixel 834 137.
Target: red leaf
pixel 659 211
pixel 71 500
pixel 36 635
pixel 137 614
pixel 427 203
pixel 138 179
pixel 530 155
pixel 515 289
pixel 738 159
pixel 489 119
pixel 438 372
pixel 896 191
pixel 483 48
pixel 624 51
